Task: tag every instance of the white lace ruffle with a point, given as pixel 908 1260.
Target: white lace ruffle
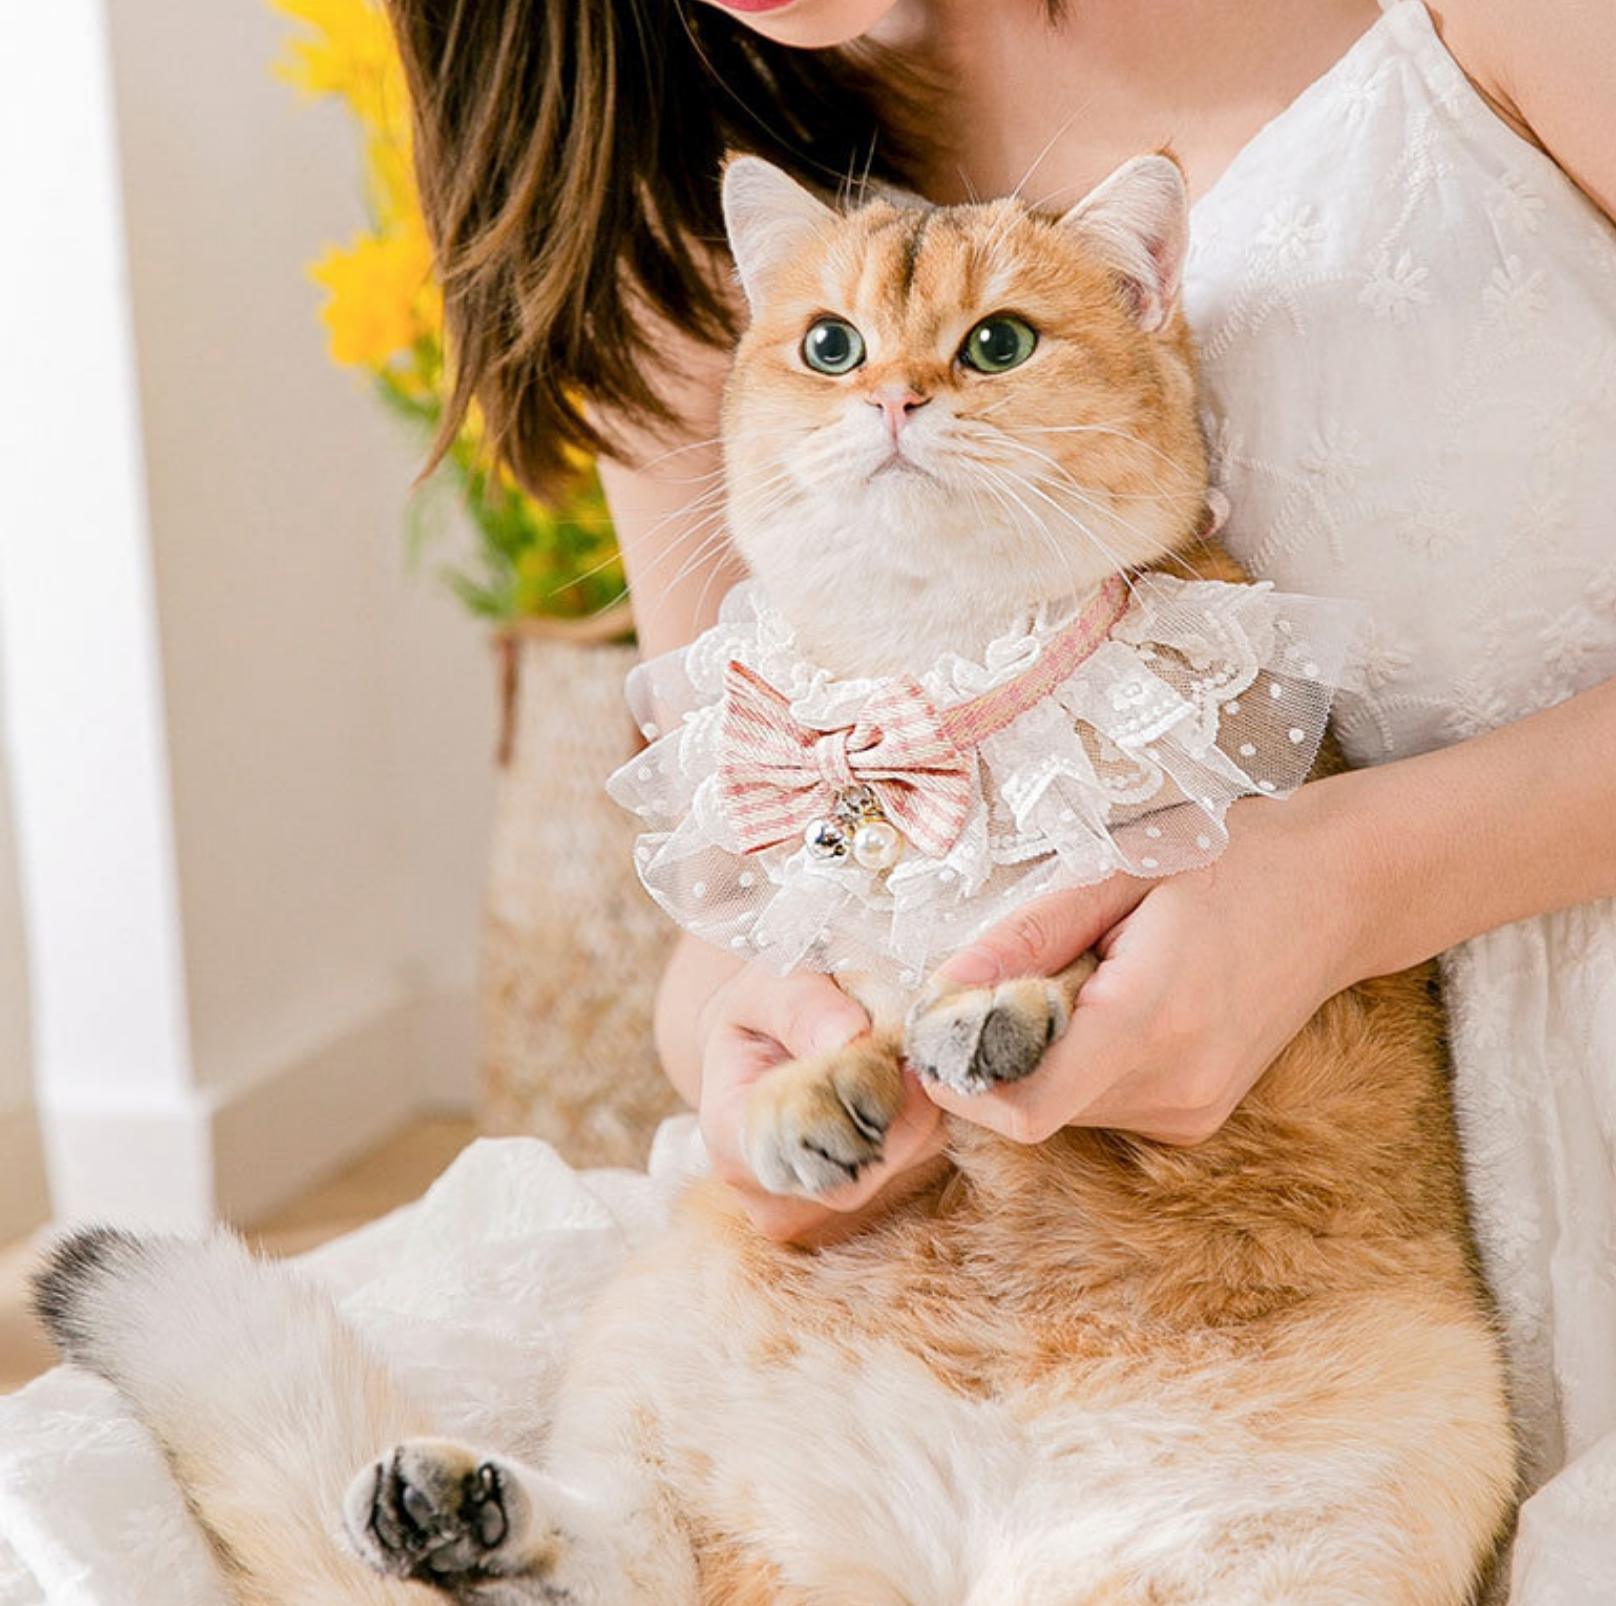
pixel 1203 694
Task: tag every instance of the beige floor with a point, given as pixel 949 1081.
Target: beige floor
pixel 390 1175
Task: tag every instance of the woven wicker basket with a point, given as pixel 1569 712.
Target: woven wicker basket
pixel 572 946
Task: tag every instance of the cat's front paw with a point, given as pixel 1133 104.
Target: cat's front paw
pixel 813 1125
pixel 972 1039
pixel 436 1511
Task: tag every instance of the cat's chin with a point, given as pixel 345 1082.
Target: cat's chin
pixel 907 509
pixel 899 467
pixel 883 575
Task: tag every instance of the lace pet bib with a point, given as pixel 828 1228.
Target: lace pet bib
pixel 877 825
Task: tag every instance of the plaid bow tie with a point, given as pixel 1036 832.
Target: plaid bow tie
pixel 778 776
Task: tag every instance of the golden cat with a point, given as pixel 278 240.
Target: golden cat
pixel 1092 1370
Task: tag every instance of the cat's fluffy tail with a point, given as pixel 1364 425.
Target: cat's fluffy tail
pixel 264 1400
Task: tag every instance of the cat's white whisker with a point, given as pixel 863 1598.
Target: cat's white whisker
pixel 713 532
pixel 708 513
pixel 1103 429
pixel 684 511
pixel 1102 501
pixel 1196 495
pixel 645 465
pixel 1080 525
pixel 1040 525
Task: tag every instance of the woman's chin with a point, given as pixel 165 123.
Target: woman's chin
pixel 808 24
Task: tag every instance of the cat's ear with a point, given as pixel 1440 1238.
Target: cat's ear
pixel 1138 223
pixel 769 217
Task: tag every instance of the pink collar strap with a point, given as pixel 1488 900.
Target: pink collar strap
pixel 969 724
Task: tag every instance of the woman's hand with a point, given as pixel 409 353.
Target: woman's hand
pixel 1204 977
pixel 751 1023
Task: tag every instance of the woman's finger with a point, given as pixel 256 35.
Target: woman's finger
pixel 1047 934
pixel 782 1220
pixel 805 1014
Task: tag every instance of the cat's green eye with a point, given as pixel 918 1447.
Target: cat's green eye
pixel 998 344
pixel 832 346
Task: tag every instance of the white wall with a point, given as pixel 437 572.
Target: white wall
pixel 324 719
pixel 85 753
pixel 316 695
pixel 16 1079
pixel 22 1168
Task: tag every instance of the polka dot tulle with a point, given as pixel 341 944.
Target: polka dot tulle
pixel 1204 693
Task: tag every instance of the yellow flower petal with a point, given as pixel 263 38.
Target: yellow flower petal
pixel 380 297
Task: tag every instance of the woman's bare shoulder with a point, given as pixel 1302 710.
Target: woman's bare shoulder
pixel 1549 66
pixel 664 485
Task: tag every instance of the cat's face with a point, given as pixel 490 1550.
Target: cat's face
pixel 961 410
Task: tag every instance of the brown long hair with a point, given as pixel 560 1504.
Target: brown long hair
pixel 568 155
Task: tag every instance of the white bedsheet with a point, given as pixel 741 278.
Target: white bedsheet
pixel 472 1294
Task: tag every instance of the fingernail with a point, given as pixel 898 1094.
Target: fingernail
pixel 972 967
pixel 831 1034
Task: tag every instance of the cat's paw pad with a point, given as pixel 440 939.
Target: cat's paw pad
pixel 972 1039
pixel 814 1125
pixel 430 1509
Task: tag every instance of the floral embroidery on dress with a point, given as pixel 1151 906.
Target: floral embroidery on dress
pixel 1394 289
pixel 1290 231
pixel 1515 296
pixel 1512 203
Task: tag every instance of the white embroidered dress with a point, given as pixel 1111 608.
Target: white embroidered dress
pixel 1407 316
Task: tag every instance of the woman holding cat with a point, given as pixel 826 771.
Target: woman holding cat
pixel 1404 288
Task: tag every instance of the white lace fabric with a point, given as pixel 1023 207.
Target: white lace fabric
pixel 1202 694
pixel 1407 321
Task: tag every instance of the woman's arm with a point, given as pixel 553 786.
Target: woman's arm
pixel 1519 822
pixel 666 500
pixel 1204 977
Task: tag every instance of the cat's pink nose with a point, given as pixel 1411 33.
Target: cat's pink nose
pixel 897 402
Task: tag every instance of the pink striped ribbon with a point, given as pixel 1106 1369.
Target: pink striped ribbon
pixel 776 776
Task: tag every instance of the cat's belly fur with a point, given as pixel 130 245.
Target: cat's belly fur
pixel 866 1479
pixel 1061 1378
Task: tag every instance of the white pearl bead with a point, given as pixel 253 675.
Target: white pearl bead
pixel 877 845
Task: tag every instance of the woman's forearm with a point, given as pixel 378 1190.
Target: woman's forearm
pixel 1518 822
pixel 693 974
